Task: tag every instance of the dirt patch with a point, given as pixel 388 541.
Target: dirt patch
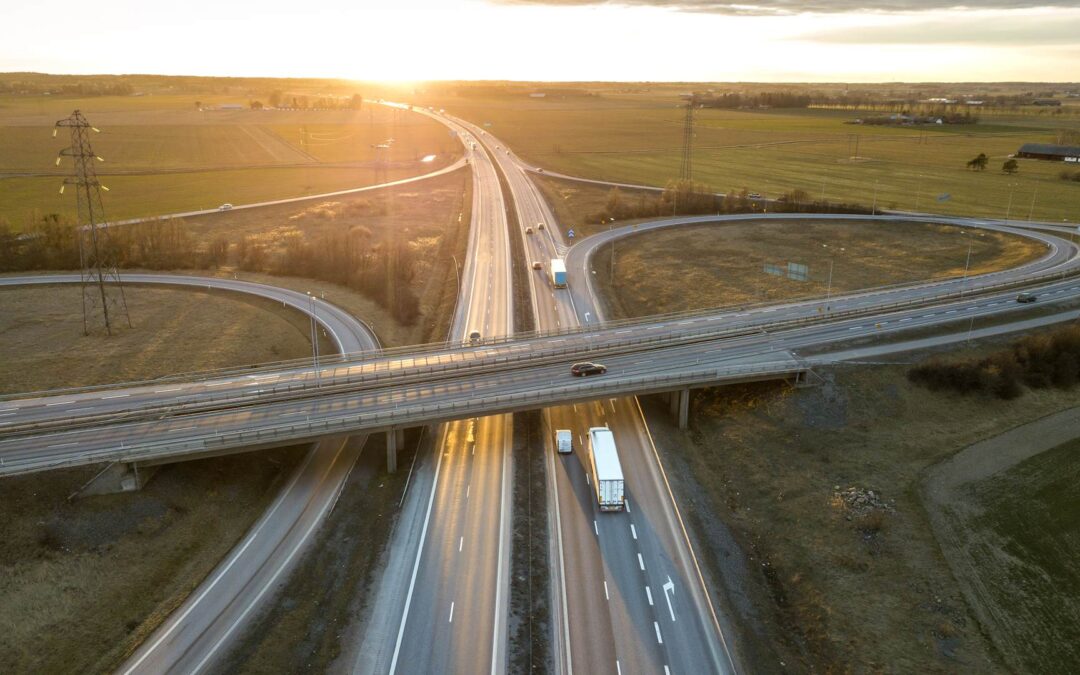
pixel 831 562
pixel 732 262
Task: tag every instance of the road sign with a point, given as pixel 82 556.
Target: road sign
pixel 570 234
pixel 944 197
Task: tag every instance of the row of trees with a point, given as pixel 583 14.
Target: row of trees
pixel 1035 361
pixel 691 198
pixel 381 270
pixel 771 99
pixel 81 88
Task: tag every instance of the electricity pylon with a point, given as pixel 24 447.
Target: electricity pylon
pixel 101 285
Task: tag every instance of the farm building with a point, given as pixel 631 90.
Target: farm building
pixel 1057 153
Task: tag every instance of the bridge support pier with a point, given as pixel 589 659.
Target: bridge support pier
pixel 680 406
pixel 392 438
pixel 117 477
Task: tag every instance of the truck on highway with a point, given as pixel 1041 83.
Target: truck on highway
pixel 606 471
pixel 558 273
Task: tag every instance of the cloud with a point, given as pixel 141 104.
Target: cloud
pixel 985 30
pixel 789 7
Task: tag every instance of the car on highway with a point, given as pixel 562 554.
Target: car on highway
pixel 528 230
pixel 539 170
pixel 754 195
pixel 586 368
pixel 537 265
pixel 539 226
pixel 474 337
pixel 1026 298
pixel 224 207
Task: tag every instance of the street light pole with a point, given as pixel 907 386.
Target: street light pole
pixel 828 288
pixel 1031 211
pixel 873 211
pixel 1008 210
pixel 314 339
pixel 967 265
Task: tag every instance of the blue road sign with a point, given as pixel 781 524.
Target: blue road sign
pixel 570 234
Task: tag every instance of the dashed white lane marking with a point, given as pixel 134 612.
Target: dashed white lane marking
pixel 658 637
pixel 633 531
pixel 184 429
pixel 588 481
pixel 667 671
pixel 49 405
pixel 451 612
pixel 595 528
pixel 164 391
pixel 626 503
pixel 468 488
pixel 461 542
pixel 618 668
pixel 641 562
pixel 606 596
pixel 219 384
pixel 5 414
pixel 648 592
pixel 59 445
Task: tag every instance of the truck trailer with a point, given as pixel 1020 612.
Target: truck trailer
pixel 558 273
pixel 607 472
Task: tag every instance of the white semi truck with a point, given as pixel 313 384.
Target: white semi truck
pixel 606 470
pixel 558 273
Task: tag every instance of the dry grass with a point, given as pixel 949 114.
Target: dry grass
pixel 870 594
pixel 654 274
pixel 174 331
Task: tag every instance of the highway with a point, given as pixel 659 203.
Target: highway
pixel 630 596
pixel 219 608
pixel 451 541
pixel 629 592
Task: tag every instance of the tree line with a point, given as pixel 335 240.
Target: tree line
pixel 1035 361
pixel 382 270
pixel 693 198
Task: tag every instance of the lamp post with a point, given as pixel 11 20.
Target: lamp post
pixel 1031 211
pixel 828 286
pixel 873 210
pixel 314 340
pixel 1008 209
pixel 918 193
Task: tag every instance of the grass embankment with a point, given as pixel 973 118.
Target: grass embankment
pixel 1014 539
pixel 165 156
pixel 638 139
pixel 654 273
pixel 832 582
pixel 82 582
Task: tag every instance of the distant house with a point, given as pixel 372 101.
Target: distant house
pixel 230 106
pixel 1054 153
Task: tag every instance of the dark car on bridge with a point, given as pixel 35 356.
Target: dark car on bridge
pixel 587 368
pixel 1026 297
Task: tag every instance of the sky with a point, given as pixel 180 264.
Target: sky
pixel 553 40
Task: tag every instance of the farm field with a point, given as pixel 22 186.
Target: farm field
pixel 163 155
pixel 638 139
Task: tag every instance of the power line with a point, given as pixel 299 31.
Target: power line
pixel 101 287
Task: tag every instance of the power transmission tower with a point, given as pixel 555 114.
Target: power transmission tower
pixel 101 285
pixel 686 172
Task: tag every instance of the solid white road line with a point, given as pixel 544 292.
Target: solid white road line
pixel 606 596
pixel 416 563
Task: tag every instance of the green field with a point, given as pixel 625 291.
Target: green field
pixel 1021 547
pixel 163 155
pixel 636 138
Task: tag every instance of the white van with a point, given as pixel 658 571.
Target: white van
pixel 564 441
